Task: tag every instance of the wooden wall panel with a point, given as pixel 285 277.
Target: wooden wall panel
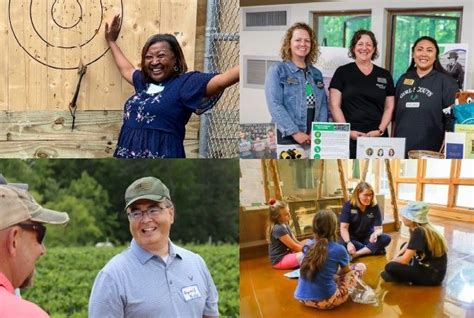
pixel 3 56
pixel 30 84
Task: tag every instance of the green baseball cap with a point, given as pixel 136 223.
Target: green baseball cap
pixel 149 188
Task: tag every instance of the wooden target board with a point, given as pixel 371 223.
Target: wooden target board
pixel 44 41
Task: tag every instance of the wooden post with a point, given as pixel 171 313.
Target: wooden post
pixel 266 182
pixel 320 181
pixel 365 169
pixel 392 194
pixel 279 193
pixel 276 179
pixel 343 180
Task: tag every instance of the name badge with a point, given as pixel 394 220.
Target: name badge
pixel 408 81
pixel 191 292
pixel 353 211
pixel 292 80
pixel 382 80
pixel 412 104
pixel 370 216
pixel 153 88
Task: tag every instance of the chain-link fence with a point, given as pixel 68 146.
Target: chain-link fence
pixel 218 136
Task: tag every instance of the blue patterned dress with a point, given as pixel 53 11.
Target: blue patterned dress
pixel 154 123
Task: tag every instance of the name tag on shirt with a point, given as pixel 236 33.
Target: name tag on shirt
pixel 382 80
pixel 191 292
pixel 153 88
pixel 370 215
pixel 412 104
pixel 408 81
pixel 353 211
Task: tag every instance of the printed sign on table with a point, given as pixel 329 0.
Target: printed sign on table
pixel 330 140
pixel 380 148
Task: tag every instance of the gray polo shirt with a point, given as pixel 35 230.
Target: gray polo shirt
pixel 136 283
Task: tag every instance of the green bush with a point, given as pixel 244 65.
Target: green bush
pixel 64 277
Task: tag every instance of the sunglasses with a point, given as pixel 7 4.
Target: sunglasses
pixel 40 230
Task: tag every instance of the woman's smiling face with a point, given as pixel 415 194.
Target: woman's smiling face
pixel 159 61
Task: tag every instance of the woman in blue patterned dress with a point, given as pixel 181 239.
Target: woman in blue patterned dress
pixel 165 96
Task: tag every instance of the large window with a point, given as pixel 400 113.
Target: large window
pixel 408 25
pixel 336 29
pixel 448 184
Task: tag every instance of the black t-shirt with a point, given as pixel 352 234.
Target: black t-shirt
pixel 419 244
pixel 363 96
pixel 419 109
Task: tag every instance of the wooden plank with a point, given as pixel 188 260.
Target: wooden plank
pixel 42 125
pixel 4 44
pixel 179 18
pixel 16 69
pixel 72 149
pixel 199 49
pixel 57 149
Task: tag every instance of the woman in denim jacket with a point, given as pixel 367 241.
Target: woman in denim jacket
pixel 294 88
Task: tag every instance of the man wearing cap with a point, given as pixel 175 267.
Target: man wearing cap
pixel 455 68
pixel 423 261
pixel 154 277
pixel 21 244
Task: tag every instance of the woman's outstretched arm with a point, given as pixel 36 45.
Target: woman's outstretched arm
pixel 123 64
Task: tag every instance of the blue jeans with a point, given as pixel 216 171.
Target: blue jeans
pixel 382 241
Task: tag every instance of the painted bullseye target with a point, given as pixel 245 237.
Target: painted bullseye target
pixel 61 33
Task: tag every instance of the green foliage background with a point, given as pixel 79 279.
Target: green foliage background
pixel 204 192
pixel 65 276
pixel 337 31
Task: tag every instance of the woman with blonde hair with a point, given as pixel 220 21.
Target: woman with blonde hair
pixel 361 223
pixel 326 277
pixel 294 88
pixel 424 259
pixel 284 249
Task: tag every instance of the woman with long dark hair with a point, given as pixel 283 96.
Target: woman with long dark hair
pixel 421 95
pixel 325 275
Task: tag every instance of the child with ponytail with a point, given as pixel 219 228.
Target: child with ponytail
pixel 325 275
pixel 284 249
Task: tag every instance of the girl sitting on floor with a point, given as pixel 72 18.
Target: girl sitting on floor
pixel 325 275
pixel 424 259
pixel 283 248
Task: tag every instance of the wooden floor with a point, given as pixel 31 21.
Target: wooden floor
pixel 265 292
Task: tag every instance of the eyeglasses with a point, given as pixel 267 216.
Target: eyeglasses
pixel 40 230
pixel 151 212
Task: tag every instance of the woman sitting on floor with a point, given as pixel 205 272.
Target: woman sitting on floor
pixel 424 259
pixel 325 275
pixel 361 223
pixel 283 248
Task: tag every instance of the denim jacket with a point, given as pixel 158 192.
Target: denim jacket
pixel 286 96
